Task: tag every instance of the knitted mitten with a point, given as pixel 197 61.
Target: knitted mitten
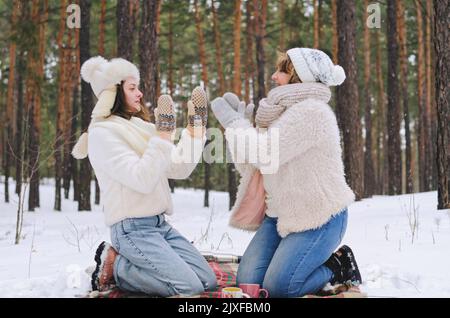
pixel 165 114
pixel 246 111
pixel 198 108
pixel 224 113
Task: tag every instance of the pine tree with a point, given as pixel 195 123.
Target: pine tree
pixel 404 92
pixel 442 74
pixel 260 12
pixel 60 115
pixel 85 174
pixel 148 53
pixel 9 140
pixel 347 101
pixel 369 174
pixel 393 112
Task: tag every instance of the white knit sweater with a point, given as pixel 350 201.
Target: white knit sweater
pixel 309 186
pixel 135 185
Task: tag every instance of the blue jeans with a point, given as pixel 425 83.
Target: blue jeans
pixel 157 260
pixel 291 266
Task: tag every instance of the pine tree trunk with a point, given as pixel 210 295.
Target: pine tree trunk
pixel 430 107
pixel 148 53
pixel 316 24
pixel 422 114
pixel 74 162
pixel 393 112
pixel 249 65
pixel 74 121
pixel 158 27
pixel 237 86
pixel 282 10
pixel 404 88
pixel 101 36
pixel 39 13
pixel 72 77
pixel 218 47
pixel 383 175
pixel 347 97
pixel 231 171
pixel 85 174
pixel 60 114
pixel 201 43
pixel 9 140
pixel 125 31
pixel 170 66
pixel 7 163
pixel 203 61
pixel 260 12
pixel 442 74
pixel 18 144
pixel 335 35
pixel 369 174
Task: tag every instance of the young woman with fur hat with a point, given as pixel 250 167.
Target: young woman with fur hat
pixel 300 209
pixel 133 160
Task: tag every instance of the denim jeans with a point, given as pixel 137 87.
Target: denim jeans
pixel 157 260
pixel 291 266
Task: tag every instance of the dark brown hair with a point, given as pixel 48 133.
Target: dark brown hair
pixel 284 64
pixel 120 106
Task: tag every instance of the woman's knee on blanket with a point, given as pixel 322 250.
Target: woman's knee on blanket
pixel 282 284
pixel 278 288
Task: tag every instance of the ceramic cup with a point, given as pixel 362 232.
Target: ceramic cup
pixel 254 290
pixel 234 292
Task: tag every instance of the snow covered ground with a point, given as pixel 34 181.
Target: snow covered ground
pixel 57 248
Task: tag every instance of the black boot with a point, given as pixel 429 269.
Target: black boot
pixel 102 277
pixel 343 265
pixel 335 265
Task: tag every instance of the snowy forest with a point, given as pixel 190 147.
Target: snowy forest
pixel 393 109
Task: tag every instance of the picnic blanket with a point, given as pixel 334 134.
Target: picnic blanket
pixel 225 267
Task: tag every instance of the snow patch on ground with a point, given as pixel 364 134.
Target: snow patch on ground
pixel 401 242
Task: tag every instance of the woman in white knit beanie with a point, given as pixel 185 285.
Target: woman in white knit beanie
pixel 133 160
pixel 300 209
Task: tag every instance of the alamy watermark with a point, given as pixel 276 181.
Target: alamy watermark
pixel 260 148
pixel 73 21
pixel 374 19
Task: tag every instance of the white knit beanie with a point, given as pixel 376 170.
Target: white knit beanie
pixel 314 65
pixel 103 76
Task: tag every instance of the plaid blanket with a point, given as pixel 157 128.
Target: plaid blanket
pixel 225 268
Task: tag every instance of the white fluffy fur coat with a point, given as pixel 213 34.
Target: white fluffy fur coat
pixel 133 164
pixel 309 186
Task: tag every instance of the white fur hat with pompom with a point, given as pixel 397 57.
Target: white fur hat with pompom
pixel 313 65
pixel 103 76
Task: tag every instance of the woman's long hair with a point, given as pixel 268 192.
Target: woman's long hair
pixel 120 107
